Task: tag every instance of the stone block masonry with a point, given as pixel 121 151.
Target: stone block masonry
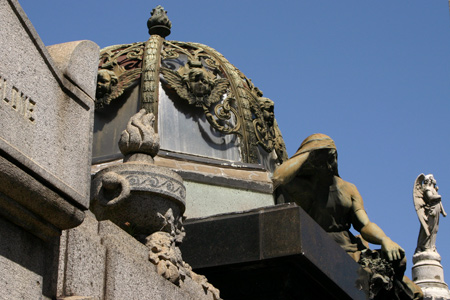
pixel 101 261
pixel 46 120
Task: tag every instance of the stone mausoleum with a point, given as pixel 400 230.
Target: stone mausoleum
pixel 144 171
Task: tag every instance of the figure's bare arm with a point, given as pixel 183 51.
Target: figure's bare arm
pixel 288 170
pixel 375 235
pixel 370 231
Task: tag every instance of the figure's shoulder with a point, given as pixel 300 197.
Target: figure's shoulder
pixel 345 185
pixel 341 182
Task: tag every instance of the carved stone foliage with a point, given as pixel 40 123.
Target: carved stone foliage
pixel 165 254
pixel 381 273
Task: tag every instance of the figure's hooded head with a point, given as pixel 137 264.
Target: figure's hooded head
pixel 313 142
pixel 315 148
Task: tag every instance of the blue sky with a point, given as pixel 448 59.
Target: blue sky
pixel 374 75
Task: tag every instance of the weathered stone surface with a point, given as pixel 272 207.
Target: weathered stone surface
pixel 98 260
pixel 82 261
pixel 25 264
pixel 130 275
pixel 78 61
pixel 428 273
pixel 139 195
pixel 32 205
pixel 77 298
pixel 46 120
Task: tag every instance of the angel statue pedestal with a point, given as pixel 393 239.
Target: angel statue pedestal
pixel 427 271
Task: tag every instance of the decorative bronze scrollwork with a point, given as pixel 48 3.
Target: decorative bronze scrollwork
pixel 198 81
pixel 119 69
pixel 266 129
pixel 197 75
pixel 224 112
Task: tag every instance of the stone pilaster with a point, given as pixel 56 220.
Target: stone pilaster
pixel 428 273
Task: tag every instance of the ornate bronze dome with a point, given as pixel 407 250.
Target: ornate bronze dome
pixel 204 106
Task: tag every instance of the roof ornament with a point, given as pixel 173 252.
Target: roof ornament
pixel 195 74
pixel 159 23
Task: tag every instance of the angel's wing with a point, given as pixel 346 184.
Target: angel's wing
pixel 176 82
pixel 419 203
pixel 220 87
pixel 126 80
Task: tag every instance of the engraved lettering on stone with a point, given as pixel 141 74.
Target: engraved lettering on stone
pixel 17 100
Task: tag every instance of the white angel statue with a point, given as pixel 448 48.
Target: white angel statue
pixel 428 205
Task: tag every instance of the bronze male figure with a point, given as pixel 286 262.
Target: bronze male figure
pixel 310 178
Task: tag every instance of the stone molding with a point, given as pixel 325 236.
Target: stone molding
pixel 46 108
pixel 257 180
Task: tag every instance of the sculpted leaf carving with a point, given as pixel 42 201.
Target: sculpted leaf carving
pixel 166 256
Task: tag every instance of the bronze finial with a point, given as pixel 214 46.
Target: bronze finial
pixel 159 23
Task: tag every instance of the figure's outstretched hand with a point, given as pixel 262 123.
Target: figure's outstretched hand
pixel 391 249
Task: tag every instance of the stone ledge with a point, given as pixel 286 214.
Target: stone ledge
pixel 246 179
pixel 31 204
pixel 247 253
